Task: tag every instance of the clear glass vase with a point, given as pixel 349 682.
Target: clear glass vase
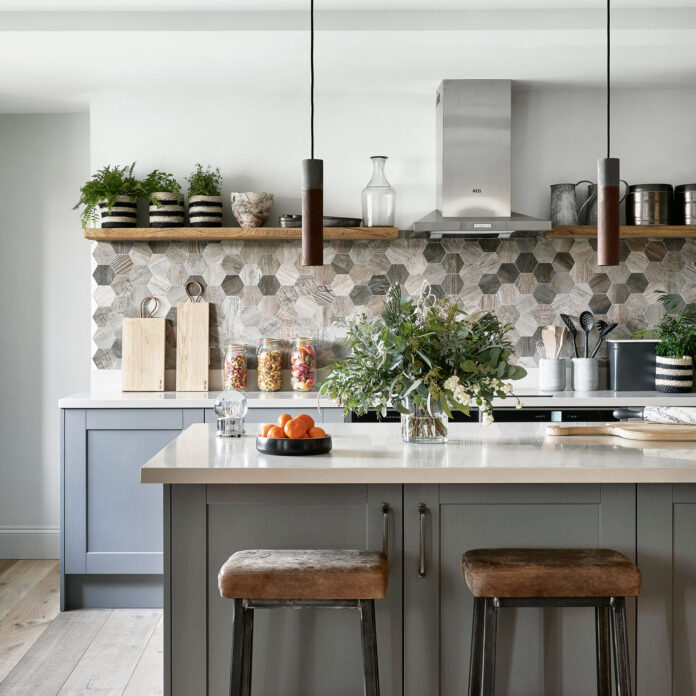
pixel 423 426
pixel 378 197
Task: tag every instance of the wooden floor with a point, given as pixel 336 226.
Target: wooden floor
pixel 109 652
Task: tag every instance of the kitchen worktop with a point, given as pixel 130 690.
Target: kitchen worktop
pixel 366 453
pixel 289 399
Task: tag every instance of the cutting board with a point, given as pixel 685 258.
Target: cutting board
pixel 143 346
pixel 192 348
pixel 655 432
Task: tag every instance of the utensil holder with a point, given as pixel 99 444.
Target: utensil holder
pixel 552 374
pixel 585 374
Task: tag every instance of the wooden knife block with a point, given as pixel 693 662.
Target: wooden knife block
pixel 192 348
pixel 143 346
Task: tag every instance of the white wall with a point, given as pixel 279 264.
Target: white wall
pixel 44 343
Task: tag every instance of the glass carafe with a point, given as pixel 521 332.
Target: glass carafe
pixel 378 197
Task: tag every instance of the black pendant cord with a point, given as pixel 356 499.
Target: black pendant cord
pixel 608 78
pixel 311 72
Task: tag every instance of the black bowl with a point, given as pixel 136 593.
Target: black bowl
pixel 290 447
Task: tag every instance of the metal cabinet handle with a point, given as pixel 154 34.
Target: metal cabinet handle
pixel 385 529
pixel 422 510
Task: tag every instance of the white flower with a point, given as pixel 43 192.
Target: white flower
pixel 518 404
pixel 508 388
pixel 451 383
pixel 486 418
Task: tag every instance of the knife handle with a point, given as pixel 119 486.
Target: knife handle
pixel 625 413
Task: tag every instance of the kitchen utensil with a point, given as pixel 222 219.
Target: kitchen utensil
pixel 604 330
pixel 192 347
pixel 685 204
pixel 587 324
pixel 630 431
pixel 564 207
pixel 289 447
pixel 675 415
pixel 548 337
pixel 143 346
pixel 588 211
pixel 552 375
pixel 649 204
pixel 631 364
pixel 585 374
pixel 561 333
pixel 573 331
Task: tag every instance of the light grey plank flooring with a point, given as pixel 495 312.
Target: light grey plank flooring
pixel 147 676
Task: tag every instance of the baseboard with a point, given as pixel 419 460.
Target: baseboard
pixel 29 542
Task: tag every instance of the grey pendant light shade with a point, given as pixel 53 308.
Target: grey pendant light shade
pixel 312 182
pixel 608 231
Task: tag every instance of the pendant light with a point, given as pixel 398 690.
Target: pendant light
pixel 312 181
pixel 608 184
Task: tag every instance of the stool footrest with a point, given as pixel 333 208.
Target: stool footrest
pixel 301 603
pixel 553 601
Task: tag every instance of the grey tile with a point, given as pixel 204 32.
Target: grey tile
pixel 489 284
pixel 103 275
pixel 268 285
pixel 360 295
pixel 379 285
pixel 342 263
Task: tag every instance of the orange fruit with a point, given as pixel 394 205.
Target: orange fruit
pixel 283 418
pixel 266 428
pixel 317 432
pixel 307 419
pixel 277 432
pixel 295 428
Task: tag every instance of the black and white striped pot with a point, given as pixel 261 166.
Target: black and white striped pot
pixel 205 211
pixel 123 213
pixel 674 375
pixel 169 213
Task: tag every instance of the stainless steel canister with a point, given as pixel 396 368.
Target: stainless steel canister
pixel 649 204
pixel 685 204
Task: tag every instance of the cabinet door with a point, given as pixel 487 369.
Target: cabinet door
pixel 113 523
pixel 539 650
pixel 296 653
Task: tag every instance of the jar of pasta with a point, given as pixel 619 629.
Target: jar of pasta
pixel 235 369
pixel 269 373
pixel 303 364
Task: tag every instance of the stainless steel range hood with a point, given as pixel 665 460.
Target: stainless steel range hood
pixel 473 163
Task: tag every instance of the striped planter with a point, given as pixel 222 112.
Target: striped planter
pixel 123 213
pixel 205 211
pixel 674 375
pixel 170 212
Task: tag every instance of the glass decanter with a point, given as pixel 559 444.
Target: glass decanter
pixel 378 197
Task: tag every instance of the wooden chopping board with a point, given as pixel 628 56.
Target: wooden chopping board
pixel 654 432
pixel 143 346
pixel 192 336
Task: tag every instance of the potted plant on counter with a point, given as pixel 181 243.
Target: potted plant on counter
pixel 204 199
pixel 111 195
pixel 424 359
pixel 164 196
pixel 676 334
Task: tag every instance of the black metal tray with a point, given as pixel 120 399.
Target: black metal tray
pixel 293 447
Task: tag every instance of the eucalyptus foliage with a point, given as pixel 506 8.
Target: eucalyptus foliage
pixel 103 188
pixel 204 182
pixel 676 331
pixel 160 182
pixel 426 352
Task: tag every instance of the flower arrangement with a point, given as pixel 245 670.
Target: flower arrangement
pixel 427 357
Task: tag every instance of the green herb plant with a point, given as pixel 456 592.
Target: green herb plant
pixel 676 331
pixel 204 182
pixel 103 187
pixel 160 182
pixel 422 354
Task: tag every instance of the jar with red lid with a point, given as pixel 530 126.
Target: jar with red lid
pixel 303 364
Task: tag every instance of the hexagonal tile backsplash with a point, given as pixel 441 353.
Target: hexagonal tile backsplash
pixel 261 289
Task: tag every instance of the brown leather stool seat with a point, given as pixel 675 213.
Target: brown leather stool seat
pixel 304 574
pixel 550 573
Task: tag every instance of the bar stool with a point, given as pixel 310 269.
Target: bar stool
pixel 598 578
pixel 321 579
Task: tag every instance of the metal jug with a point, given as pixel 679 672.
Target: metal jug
pixel 588 210
pixel 564 208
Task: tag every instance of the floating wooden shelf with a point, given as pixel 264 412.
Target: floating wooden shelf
pixel 188 234
pixel 627 231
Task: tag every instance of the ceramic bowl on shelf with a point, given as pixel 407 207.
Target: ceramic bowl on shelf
pixel 251 209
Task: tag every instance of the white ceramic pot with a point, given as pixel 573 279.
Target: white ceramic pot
pixel 205 211
pixel 674 375
pixel 585 374
pixel 552 374
pixel 123 213
pixel 169 212
pixel 251 209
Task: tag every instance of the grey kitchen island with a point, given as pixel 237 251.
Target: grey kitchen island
pixel 503 485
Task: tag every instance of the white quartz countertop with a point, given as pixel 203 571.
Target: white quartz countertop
pixel 371 453
pixel 531 399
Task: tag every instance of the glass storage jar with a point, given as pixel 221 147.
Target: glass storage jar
pixel 235 374
pixel 303 364
pixel 378 197
pixel 269 374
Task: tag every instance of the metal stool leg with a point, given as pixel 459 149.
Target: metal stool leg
pixel 489 636
pixel 603 651
pixel 476 662
pixel 237 656
pixel 369 647
pixel 620 635
pixel 248 622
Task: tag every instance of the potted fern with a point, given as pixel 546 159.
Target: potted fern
pixel 164 196
pixel 676 347
pixel 424 359
pixel 204 199
pixel 110 196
